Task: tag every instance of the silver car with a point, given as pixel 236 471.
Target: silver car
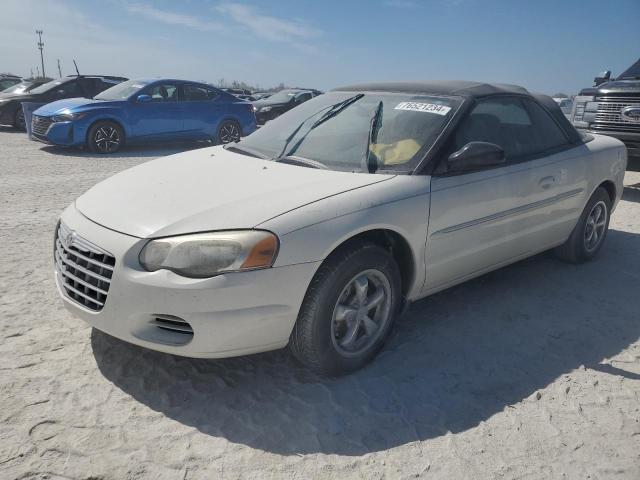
pixel 316 230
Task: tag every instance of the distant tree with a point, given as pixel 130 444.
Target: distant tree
pixel 560 95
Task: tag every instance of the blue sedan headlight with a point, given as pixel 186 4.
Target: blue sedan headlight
pixel 67 117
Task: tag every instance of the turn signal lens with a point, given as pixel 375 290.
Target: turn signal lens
pixel 262 254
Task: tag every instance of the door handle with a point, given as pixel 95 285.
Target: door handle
pixel 547 182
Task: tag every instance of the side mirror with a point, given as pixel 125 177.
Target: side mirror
pixel 603 77
pixel 143 98
pixel 476 155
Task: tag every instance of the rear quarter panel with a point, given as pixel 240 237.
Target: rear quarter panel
pixel 607 161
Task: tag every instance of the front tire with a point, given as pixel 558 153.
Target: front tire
pixel 348 311
pixel 19 121
pixel 105 137
pixel 589 234
pixel 228 132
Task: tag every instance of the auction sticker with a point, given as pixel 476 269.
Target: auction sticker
pixel 423 107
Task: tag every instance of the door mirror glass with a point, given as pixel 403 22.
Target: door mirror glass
pixel 476 155
pixel 144 98
pixel 603 77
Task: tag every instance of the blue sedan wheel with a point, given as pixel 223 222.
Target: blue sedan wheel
pixel 105 137
pixel 229 132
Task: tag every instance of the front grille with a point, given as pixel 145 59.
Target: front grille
pixel 609 114
pixel 40 125
pixel 84 269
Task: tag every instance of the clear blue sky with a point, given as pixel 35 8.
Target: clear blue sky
pixel 544 45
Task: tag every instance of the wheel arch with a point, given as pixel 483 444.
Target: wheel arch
pixel 610 187
pixel 392 241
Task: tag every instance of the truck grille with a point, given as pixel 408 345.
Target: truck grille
pixel 40 125
pixel 84 270
pixel 609 114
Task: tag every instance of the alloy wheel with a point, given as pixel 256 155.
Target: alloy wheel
pixel 595 228
pixel 362 313
pixel 107 139
pixel 229 132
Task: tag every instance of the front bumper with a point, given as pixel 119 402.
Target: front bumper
pixel 231 314
pixel 61 133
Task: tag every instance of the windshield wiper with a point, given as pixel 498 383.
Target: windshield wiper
pixel 305 162
pixel 245 151
pixel 370 162
pixel 332 112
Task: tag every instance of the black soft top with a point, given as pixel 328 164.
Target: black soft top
pixel 469 90
pixel 442 87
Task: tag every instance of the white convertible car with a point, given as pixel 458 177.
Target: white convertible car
pixel 317 229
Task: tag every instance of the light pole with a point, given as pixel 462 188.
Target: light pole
pixel 40 45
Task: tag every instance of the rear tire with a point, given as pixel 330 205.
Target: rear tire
pixel 589 234
pixel 105 137
pixel 348 310
pixel 228 132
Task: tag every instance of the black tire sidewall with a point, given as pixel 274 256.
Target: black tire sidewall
pixel 92 132
pixel 371 257
pixel 17 123
pixel 581 251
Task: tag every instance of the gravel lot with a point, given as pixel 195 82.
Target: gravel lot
pixel 531 372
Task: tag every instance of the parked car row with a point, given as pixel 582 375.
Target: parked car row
pixel 78 86
pixel 103 112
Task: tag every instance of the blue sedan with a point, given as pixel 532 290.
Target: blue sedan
pixel 142 111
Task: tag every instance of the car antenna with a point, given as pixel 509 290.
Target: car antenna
pixel 76 65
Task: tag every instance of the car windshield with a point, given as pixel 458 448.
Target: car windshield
pixel 122 91
pixel 347 132
pixel 283 96
pixel 17 88
pixel 45 87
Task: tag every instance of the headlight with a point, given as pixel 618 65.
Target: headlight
pixel 266 109
pixel 202 255
pixel 581 105
pixel 67 117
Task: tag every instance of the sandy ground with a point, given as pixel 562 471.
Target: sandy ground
pixel 530 372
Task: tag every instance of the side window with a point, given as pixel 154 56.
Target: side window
pixel 499 120
pixel 520 126
pixel 545 134
pixel 68 90
pixel 197 93
pixel 163 92
pixel 303 97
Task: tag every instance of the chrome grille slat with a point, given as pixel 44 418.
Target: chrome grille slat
pixel 97 263
pixel 76 279
pixel 84 269
pixel 84 295
pixel 40 125
pixel 609 112
pixel 97 276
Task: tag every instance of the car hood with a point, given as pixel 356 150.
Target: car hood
pixel 627 87
pixel 70 104
pixel 209 189
pixel 267 103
